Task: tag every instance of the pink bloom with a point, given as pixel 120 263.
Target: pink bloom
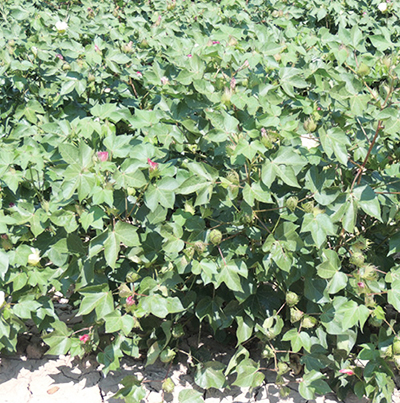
pixel 96 48
pixel 215 42
pixel 58 55
pixel 130 301
pixel 263 132
pixel 84 338
pixel 153 165
pixel 102 156
pixel 164 80
pixel 346 371
pixel 361 284
pixel 318 109
pixel 139 74
pixel 189 55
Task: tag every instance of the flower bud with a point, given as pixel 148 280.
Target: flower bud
pixel 295 315
pixel 309 125
pixel 357 259
pixel 233 176
pixel 131 277
pixel 199 247
pixel 363 70
pixel 226 96
pixel 291 203
pixel 215 237
pixel 308 207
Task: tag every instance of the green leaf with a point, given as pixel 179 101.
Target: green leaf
pixel 248 374
pixel 353 314
pixel 330 264
pixel 126 233
pixel 210 375
pixel 4 264
pixel 394 295
pixel 313 383
pixel 245 328
pixel 298 340
pixel 160 306
pixel 230 275
pixel 59 340
pixel 102 302
pixel 190 396
pixel 368 201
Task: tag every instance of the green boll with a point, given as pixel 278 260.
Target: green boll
pixel 168 385
pixel 396 360
pixel 282 368
pixel 396 346
pixel 167 355
pixel 308 322
pixel 215 237
pixel 178 331
pixel 268 352
pixel 292 298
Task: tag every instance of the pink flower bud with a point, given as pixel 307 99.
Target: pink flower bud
pixel 139 74
pixel 102 156
pixel 263 132
pixel 346 371
pixel 361 284
pixel 233 83
pixel 189 56
pixel 130 301
pixel 59 56
pixel 164 80
pixel 319 108
pixel 153 165
pixel 84 338
pixel 96 48
pixel 11 205
pixel 215 42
